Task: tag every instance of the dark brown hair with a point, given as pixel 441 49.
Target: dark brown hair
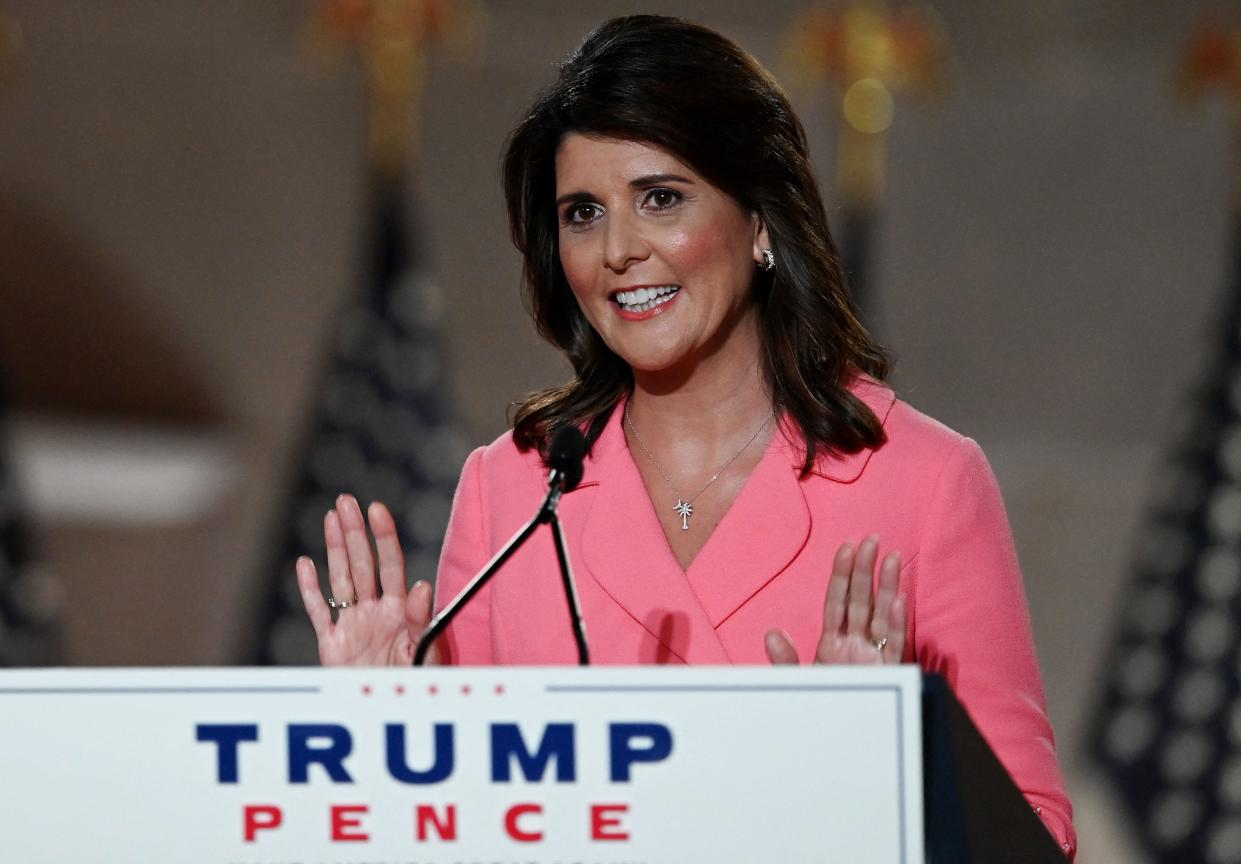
pixel 692 92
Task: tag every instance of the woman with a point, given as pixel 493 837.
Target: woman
pixel 742 441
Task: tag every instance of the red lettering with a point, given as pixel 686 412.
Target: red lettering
pixel 446 829
pixel 260 817
pixel 514 830
pixel 604 825
pixel 343 821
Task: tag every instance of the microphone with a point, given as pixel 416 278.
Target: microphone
pixel 564 456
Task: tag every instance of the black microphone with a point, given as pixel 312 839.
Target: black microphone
pixel 564 456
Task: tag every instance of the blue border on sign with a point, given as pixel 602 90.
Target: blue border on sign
pixel 770 688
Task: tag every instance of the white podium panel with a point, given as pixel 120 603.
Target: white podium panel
pixel 456 766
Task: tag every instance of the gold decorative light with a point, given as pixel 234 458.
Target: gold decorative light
pixel 1212 61
pixel 393 37
pixel 870 51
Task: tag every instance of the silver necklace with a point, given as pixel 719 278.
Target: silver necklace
pixel 685 506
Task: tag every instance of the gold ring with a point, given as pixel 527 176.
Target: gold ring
pixel 880 643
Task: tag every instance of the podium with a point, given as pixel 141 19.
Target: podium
pixel 553 765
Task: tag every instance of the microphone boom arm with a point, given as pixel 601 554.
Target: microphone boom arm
pixel 546 514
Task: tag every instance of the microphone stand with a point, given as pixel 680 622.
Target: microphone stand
pixel 546 514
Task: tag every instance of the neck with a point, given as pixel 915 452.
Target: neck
pixel 699 412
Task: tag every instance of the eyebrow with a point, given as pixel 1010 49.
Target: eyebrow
pixel 637 183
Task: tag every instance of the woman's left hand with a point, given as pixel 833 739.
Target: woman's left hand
pixel 858 626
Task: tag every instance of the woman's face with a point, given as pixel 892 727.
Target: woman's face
pixel 661 261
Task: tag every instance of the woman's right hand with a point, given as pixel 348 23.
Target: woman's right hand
pixel 376 630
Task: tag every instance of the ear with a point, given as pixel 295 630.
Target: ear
pixel 761 240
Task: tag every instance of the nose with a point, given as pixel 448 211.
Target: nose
pixel 623 243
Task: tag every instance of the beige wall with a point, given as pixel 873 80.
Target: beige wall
pixel 1056 237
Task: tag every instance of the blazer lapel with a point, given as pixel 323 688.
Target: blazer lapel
pixel 760 534
pixel 623 548
pixel 770 522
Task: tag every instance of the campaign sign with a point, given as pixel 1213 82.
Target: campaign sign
pixel 461 765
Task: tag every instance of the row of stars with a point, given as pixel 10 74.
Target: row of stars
pixel 432 690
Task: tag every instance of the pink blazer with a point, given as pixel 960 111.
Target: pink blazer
pixel 927 492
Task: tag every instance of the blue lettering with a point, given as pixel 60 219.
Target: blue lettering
pixel 331 756
pixel 227 737
pixel 441 766
pixel 506 742
pixel 624 752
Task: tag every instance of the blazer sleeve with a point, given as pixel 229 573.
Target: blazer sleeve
pixel 972 624
pixel 467 641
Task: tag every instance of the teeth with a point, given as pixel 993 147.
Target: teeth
pixel 641 299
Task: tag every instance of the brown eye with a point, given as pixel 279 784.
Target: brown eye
pixel 582 213
pixel 663 199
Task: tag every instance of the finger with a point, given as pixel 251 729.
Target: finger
pixel 418 616
pixel 361 563
pixel 894 651
pixel 837 591
pixel 780 648
pixel 312 598
pixel 889 580
pixel 861 587
pixel 388 545
pixel 338 577
pixel 418 607
pixel 834 604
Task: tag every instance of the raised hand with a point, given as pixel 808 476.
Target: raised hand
pixel 858 627
pixel 371 629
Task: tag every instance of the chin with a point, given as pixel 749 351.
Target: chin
pixel 651 363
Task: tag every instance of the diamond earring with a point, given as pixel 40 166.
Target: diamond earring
pixel 769 260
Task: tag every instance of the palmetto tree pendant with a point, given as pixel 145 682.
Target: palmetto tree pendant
pixel 686 510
